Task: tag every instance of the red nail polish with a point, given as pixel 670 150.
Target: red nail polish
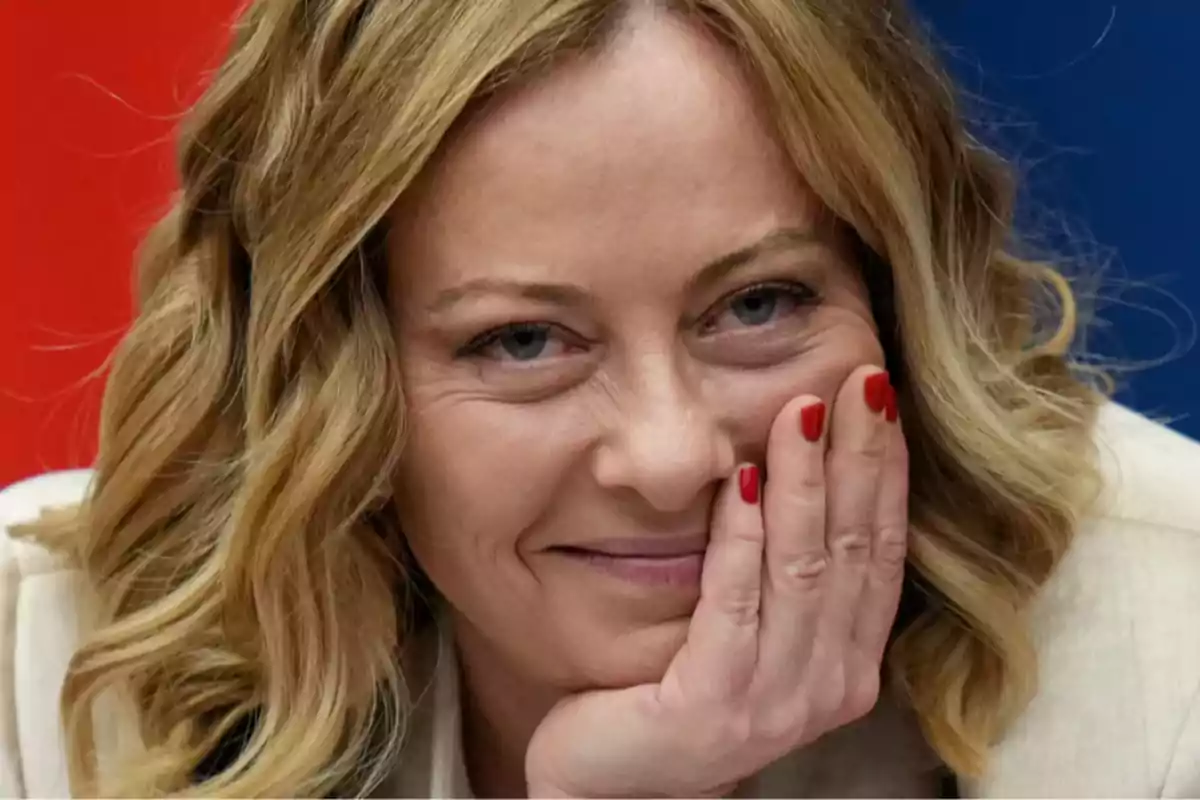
pixel 890 408
pixel 748 484
pixel 812 421
pixel 875 391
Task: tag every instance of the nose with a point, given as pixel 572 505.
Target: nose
pixel 666 444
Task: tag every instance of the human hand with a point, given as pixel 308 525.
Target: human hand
pixel 798 597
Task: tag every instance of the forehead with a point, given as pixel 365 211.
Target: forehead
pixel 653 150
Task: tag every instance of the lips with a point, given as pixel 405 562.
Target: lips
pixel 642 547
pixel 655 563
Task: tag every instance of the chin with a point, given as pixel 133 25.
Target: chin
pixel 618 660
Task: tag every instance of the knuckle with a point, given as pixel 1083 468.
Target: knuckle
pixel 806 567
pixel 746 536
pixel 828 695
pixel 805 503
pixel 781 725
pixel 810 487
pixel 733 732
pixel 872 450
pixel 866 455
pixel 892 547
pixel 862 694
pixel 852 543
pixel 741 604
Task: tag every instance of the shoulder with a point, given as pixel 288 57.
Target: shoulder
pixel 1118 704
pixel 24 503
pixel 38 633
pixel 1151 472
pixel 1138 550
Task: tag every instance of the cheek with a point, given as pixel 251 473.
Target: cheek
pixel 476 475
pixel 750 403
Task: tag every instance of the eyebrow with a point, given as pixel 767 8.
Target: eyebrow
pixel 568 294
pixel 562 294
pixel 775 241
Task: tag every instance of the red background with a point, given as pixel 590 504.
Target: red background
pixel 89 94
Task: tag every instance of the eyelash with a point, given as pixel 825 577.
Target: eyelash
pixel 800 293
pixel 491 337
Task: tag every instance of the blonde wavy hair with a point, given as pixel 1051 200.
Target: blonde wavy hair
pixel 240 538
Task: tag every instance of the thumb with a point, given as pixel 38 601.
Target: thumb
pixel 605 744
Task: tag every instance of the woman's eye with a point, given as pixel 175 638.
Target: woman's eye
pixel 522 342
pixel 759 305
pixel 755 307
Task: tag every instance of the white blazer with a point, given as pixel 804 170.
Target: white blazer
pixel 1117 629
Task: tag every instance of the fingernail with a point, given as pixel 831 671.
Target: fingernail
pixel 812 421
pixel 875 391
pixel 891 411
pixel 748 484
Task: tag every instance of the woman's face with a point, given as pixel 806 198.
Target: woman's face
pixel 604 292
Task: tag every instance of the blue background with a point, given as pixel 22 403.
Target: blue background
pixel 1100 104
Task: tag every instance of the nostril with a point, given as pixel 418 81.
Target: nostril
pixel 669 472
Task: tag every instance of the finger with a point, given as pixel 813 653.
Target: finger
pixel 796 557
pixel 719 656
pixel 854 464
pixel 885 573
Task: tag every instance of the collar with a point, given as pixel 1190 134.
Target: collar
pixel 447 767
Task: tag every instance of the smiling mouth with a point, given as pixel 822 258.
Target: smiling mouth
pixel 642 547
pixel 648 561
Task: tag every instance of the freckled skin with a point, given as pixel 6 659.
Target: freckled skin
pixel 624 174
